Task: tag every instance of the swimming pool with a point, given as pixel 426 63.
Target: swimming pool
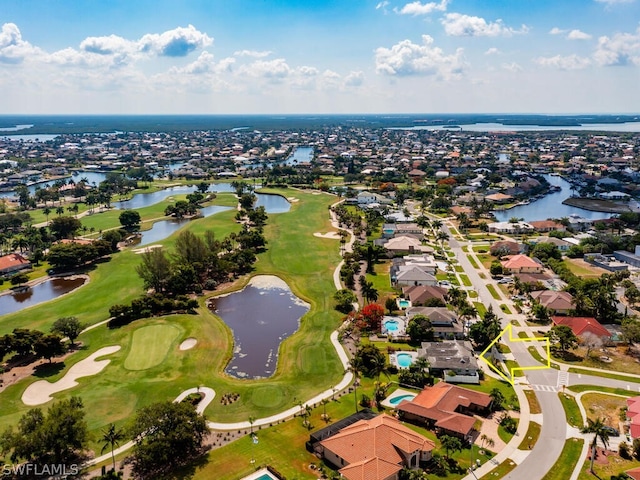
pixel 262 474
pixel 404 360
pixel 404 303
pixel 400 398
pixel 391 325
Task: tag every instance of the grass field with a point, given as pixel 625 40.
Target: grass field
pixel 493 292
pixel 472 261
pixel 534 405
pixel 531 437
pixel 307 361
pixel 150 345
pixel 571 410
pixel 569 457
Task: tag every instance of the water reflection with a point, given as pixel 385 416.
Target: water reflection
pixel 45 291
pixel 550 206
pixel 261 316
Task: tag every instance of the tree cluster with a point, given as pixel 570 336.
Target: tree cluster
pixel 150 306
pixel 67 256
pixel 25 342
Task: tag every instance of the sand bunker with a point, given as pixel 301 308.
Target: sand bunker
pixel 138 251
pixel 268 281
pixel 188 343
pixel 40 392
pixel 293 199
pixel 333 235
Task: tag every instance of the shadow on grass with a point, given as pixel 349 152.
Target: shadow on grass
pixel 48 369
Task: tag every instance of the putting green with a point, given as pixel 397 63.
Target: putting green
pixel 269 396
pixel 150 345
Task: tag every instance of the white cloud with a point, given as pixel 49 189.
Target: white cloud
pixel 417 8
pixel 556 31
pixel 13 49
pixel 252 53
pixel 492 51
pixel 178 42
pixel 569 62
pixel 108 45
pixel 459 25
pixel 408 58
pixel 621 49
pixel 382 6
pixel 354 79
pixel 578 35
pixel 272 69
pixel 512 67
pixel 306 71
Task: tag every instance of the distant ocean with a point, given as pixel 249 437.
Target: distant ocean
pixel 70 124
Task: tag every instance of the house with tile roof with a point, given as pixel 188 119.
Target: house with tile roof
pixel 375 449
pixel 13 263
pixel 633 415
pixel 421 294
pixel 559 302
pixel 447 408
pixel 581 325
pixel 408 275
pixel 521 264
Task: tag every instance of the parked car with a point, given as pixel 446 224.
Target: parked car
pixel 506 280
pixel 613 432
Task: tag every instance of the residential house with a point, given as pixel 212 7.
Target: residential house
pixel 505 247
pixel 425 261
pixel 560 303
pixel 562 244
pixel 447 408
pixel 629 258
pixel 408 275
pixel 13 263
pixel 375 449
pixel 419 295
pixel 547 226
pixel 390 230
pixel 582 325
pixel 445 323
pixel 499 198
pixel 405 244
pixel 510 227
pixel 452 360
pixel 633 415
pixel 521 264
pixel 366 198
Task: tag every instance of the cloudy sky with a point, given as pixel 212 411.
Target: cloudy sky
pixel 319 56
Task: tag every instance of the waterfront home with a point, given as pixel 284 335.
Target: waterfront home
pixel 505 247
pixel 510 227
pixel 13 262
pixel 562 244
pixel 375 449
pixel 547 226
pixel 499 198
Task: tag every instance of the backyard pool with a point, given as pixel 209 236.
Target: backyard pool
pixel 391 325
pixel 397 397
pixel 403 304
pixel 262 474
pixel 404 360
pixel 400 398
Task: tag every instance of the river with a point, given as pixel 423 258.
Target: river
pixel 299 155
pixel 550 206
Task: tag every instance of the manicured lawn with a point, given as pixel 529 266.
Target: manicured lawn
pixel 531 437
pixel 493 292
pixel 505 308
pixel 489 383
pixel 150 345
pixel 307 362
pixel 563 468
pixel 618 360
pixel 513 364
pixel 480 308
pixel 582 268
pixel 523 335
pixel 534 405
pixel 615 466
pixel 571 410
pixel 613 376
pixel 504 435
pixel 465 281
pixel 381 280
pixel 500 471
pixel 584 388
pixel 472 261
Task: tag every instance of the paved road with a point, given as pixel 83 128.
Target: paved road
pixel 545 383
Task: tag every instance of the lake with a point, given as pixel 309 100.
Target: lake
pixel 300 154
pixel 260 316
pixel 43 292
pixel 550 206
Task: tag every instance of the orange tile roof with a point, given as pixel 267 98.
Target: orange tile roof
pixel 12 260
pixel 581 325
pixel 520 261
pixel 370 469
pixel 440 402
pixel 382 437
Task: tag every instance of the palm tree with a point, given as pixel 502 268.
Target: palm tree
pixel 598 428
pixel 251 420
pixel 47 212
pixel 111 437
pixel 355 367
pixel 59 210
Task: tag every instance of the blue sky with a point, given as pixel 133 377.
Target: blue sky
pixel 332 56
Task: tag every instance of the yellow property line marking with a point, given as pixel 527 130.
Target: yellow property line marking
pixel 509 329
